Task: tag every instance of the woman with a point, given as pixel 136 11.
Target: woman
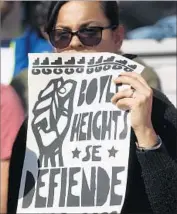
pixel 152 178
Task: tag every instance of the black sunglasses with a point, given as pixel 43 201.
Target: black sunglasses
pixel 89 36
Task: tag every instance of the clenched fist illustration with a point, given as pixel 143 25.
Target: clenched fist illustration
pixel 52 116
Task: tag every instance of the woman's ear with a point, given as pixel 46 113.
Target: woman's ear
pixel 119 36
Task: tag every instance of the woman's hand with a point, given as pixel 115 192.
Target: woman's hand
pixel 137 99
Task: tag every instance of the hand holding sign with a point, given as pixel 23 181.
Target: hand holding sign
pixel 139 102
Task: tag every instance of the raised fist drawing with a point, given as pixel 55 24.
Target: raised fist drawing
pixel 52 117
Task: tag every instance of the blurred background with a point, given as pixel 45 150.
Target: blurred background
pixel 150 33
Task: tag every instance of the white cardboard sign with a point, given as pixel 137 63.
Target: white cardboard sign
pixel 78 142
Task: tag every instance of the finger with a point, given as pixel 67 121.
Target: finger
pixel 134 83
pixel 125 104
pixel 135 76
pixel 127 93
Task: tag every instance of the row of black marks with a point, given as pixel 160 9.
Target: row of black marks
pixel 81 61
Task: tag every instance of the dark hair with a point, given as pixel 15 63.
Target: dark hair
pixel 110 8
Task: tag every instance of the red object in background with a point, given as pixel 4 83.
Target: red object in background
pixel 11 118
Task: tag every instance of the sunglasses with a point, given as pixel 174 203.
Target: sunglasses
pixel 89 36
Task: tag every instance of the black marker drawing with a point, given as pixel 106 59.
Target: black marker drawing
pixel 80 70
pixel 57 62
pixel 76 153
pixel 128 69
pixel 81 61
pixel 112 152
pixel 90 70
pixel 45 61
pixel 36 62
pixel 123 134
pixel 70 61
pixel 133 66
pixel 110 59
pixel 100 60
pixel 72 65
pixel 123 62
pixel 92 61
pixel 36 71
pixel 117 67
pixel 52 117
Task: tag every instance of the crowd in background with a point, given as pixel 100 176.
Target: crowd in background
pixel 141 19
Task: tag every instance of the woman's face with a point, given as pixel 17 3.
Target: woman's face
pixel 75 15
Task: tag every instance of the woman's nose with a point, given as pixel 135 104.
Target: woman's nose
pixel 75 43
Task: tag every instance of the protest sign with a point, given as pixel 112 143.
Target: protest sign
pixel 78 142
